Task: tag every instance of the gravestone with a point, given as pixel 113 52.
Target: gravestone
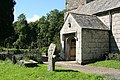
pixel 28 63
pixel 51 57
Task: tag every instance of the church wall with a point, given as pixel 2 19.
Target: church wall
pixel 94 44
pixel 74 4
pixel 66 30
pixel 105 20
pixel 72 28
pixel 115 38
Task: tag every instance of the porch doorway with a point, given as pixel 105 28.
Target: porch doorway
pixel 70 49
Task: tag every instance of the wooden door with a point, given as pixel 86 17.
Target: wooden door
pixel 73 49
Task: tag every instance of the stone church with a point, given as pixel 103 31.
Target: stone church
pixel 91 29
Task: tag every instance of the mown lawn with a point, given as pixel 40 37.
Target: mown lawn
pixel 108 64
pixel 9 71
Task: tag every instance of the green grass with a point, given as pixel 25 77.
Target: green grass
pixel 9 71
pixel 9 48
pixel 14 49
pixel 108 64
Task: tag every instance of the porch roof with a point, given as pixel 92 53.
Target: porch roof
pixel 89 21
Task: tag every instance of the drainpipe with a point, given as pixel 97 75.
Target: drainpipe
pixel 110 32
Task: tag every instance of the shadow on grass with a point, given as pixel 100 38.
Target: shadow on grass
pixel 31 66
pixel 66 71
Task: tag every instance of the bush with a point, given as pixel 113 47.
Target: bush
pixel 114 56
pixel 1 49
pixel 32 55
pixel 3 56
pixel 44 50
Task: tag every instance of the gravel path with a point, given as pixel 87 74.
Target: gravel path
pixel 108 72
pixel 86 68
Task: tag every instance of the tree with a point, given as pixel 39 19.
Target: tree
pixel 6 19
pixel 34 31
pixel 22 17
pixel 23 30
pixel 39 33
pixel 56 20
pixel 50 27
pixel 42 38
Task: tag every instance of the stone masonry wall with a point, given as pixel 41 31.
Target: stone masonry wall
pixel 94 44
pixel 105 20
pixel 66 30
pixel 74 4
pixel 115 38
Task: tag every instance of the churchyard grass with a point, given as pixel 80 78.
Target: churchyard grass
pixel 107 63
pixel 9 71
pixel 14 49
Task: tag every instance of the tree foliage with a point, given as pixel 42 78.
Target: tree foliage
pixel 6 19
pixel 38 34
pixel 23 31
pixel 50 27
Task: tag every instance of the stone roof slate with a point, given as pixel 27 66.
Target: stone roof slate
pixel 89 21
pixel 98 6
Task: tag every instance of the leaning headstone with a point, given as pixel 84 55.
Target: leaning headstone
pixel 29 63
pixel 51 57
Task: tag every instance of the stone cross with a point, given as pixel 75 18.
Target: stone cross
pixel 51 57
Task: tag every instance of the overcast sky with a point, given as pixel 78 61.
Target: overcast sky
pixel 34 9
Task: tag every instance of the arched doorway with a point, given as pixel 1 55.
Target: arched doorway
pixel 71 49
